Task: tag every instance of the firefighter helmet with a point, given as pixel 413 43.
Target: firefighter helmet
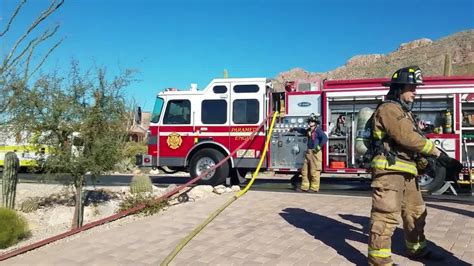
pixel 406 76
pixel 312 118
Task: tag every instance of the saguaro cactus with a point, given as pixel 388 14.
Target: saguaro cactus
pixel 10 179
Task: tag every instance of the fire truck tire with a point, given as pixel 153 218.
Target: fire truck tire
pixel 433 183
pixel 205 159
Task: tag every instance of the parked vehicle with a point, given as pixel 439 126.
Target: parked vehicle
pixel 193 130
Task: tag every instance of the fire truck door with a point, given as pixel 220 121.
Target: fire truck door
pixel 212 124
pixel 247 111
pixel 175 134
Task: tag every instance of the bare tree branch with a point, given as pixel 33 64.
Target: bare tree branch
pixel 45 57
pixel 53 7
pixel 32 45
pixel 12 18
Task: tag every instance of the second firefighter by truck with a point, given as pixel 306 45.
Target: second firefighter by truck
pixel 312 166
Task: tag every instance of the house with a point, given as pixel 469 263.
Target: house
pixel 138 132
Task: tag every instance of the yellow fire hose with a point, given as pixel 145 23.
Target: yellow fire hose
pixel 213 215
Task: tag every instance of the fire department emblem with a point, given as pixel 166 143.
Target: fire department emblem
pixel 174 140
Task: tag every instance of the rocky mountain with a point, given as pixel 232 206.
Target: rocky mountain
pixel 429 55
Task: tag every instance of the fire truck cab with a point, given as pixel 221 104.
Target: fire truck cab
pixel 193 130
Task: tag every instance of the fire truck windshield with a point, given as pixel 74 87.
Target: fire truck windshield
pixel 155 117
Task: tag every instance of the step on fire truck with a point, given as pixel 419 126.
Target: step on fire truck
pixel 193 130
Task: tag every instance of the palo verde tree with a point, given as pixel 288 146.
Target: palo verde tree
pixel 23 50
pixel 81 118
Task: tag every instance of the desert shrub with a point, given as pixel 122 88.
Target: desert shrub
pixel 131 148
pixel 127 161
pixel 152 206
pixel 13 227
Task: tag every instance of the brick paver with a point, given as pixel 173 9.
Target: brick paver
pixel 261 228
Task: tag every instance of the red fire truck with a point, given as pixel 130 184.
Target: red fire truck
pixel 192 130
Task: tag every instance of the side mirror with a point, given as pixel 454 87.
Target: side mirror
pixel 138 115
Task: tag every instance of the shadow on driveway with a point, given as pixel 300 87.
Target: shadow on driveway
pixel 335 234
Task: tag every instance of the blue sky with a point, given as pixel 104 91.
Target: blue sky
pixel 175 43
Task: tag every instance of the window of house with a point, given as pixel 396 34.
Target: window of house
pixel 214 112
pixel 178 112
pixel 246 111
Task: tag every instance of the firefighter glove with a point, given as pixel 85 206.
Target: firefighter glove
pixel 422 164
pixel 317 149
pixel 451 163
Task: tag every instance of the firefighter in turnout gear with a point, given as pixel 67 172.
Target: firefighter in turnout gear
pixel 313 161
pixel 394 169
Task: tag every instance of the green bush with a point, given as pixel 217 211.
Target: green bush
pixel 152 206
pixel 13 227
pixel 130 149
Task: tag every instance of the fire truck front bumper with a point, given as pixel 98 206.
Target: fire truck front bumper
pixel 143 160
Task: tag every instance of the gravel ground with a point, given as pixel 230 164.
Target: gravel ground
pixel 56 218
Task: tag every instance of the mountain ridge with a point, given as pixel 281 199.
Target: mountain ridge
pixel 427 54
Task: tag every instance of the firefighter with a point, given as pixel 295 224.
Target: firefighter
pixel 395 192
pixel 312 165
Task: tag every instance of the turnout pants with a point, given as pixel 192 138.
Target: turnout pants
pixel 311 171
pixel 395 195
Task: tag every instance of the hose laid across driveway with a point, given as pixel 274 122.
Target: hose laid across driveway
pixel 125 212
pixel 213 215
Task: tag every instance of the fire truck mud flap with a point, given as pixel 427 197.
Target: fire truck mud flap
pixel 205 159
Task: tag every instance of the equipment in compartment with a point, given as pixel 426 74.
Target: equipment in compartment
pixel 448 122
pixel 350 115
pixel 341 129
pixel 362 131
pixel 337 164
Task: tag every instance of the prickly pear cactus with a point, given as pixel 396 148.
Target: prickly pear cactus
pixel 10 179
pixel 140 184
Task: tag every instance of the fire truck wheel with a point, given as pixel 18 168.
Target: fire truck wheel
pixel 432 183
pixel 205 159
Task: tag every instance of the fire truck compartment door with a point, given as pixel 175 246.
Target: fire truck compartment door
pixel 304 104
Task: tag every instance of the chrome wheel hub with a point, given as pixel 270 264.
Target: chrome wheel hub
pixel 204 164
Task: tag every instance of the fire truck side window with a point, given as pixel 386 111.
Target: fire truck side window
pixel 245 111
pixel 178 112
pixel 219 89
pixel 245 88
pixel 214 112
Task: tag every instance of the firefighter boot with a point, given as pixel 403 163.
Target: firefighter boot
pixel 426 255
pixel 295 181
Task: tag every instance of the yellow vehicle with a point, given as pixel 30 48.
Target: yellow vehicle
pixel 30 156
